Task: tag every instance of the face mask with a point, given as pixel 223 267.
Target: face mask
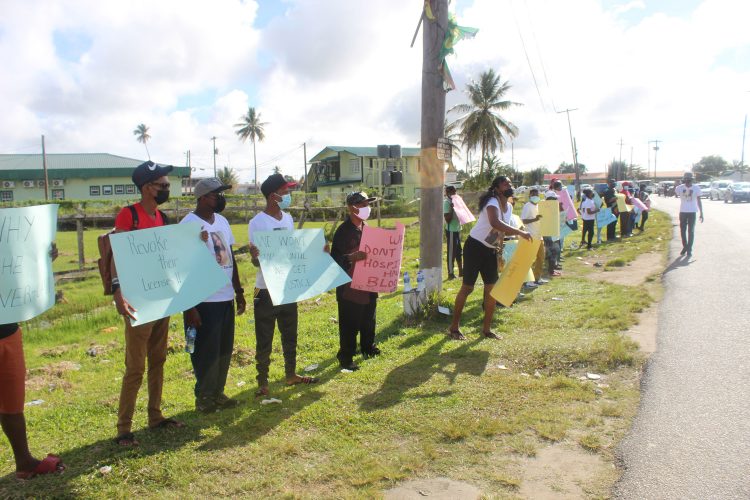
pixel 508 193
pixel 534 199
pixel 364 213
pixel 161 197
pixel 221 204
pixel 285 201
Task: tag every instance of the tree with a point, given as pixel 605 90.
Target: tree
pixel 710 166
pixel 617 170
pixel 569 168
pixel 535 177
pixel 251 128
pixel 276 169
pixel 453 137
pixel 228 176
pixel 142 136
pixel 481 124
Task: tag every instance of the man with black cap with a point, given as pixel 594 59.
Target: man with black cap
pixel 276 191
pixel 149 340
pixel 356 307
pixel 214 317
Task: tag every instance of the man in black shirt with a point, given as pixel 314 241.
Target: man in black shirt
pixel 356 307
pixel 610 199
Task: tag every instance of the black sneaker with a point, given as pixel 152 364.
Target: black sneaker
pixel 351 367
pixel 374 351
pixel 206 405
pixel 224 402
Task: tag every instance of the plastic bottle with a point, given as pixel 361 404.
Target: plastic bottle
pixel 407 282
pixel 420 281
pixel 190 335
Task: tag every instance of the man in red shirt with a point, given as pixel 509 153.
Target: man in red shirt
pixel 147 341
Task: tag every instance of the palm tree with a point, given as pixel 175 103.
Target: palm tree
pixel 481 124
pixel 251 127
pixel 228 176
pixel 142 136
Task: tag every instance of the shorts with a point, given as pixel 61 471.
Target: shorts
pixel 479 259
pixel 12 375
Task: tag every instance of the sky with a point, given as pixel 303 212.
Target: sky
pixel 85 73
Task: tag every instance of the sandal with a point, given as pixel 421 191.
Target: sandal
pixel 302 380
pixel 456 335
pixel 48 465
pixel 262 391
pixel 491 335
pixel 168 423
pixel 126 439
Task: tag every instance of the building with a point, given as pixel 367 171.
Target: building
pixel 337 170
pixel 80 176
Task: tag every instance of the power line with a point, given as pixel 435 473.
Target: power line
pixel 539 54
pixel 528 61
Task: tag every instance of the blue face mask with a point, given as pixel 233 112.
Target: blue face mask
pixel 286 200
pixel 534 199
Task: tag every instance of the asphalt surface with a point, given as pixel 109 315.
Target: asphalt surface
pixel 691 437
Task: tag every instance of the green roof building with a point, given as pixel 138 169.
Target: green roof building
pixel 82 176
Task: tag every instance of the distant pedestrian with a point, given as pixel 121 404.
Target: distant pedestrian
pixel 276 191
pixel 480 252
pixel 530 218
pixel 588 215
pixel 214 317
pixel 646 199
pixel 610 200
pixel 690 204
pixel 452 233
pixel 626 216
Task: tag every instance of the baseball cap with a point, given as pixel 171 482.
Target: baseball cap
pixel 149 171
pixel 273 183
pixel 210 185
pixel 358 197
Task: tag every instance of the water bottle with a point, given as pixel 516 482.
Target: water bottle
pixel 190 335
pixel 407 282
pixel 420 281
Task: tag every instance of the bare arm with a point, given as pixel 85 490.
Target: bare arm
pixel 496 223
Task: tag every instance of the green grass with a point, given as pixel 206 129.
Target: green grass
pixel 427 407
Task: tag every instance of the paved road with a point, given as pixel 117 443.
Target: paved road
pixel 691 438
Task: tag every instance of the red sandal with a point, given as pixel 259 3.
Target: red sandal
pixel 51 464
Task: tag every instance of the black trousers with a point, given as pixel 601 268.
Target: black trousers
pixel 644 218
pixel 611 230
pixel 624 223
pixel 687 230
pixel 588 232
pixel 267 316
pixel 213 348
pixel 355 318
pixel 453 246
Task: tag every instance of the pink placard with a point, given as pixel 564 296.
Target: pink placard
pixel 567 203
pixel 463 213
pixel 379 272
pixel 638 203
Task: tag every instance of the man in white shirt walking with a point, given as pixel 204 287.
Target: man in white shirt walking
pixel 690 204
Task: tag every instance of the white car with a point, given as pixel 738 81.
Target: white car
pixel 717 189
pixel 705 189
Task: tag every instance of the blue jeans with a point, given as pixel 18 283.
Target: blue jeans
pixel 687 225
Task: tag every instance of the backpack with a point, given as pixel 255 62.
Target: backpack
pixel 105 250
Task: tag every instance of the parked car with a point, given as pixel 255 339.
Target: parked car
pixel 737 191
pixel 717 189
pixel 705 189
pixel 666 188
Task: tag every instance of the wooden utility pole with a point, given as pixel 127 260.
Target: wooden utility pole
pixel 656 151
pixel 214 141
pixel 44 166
pixel 431 169
pixel 575 153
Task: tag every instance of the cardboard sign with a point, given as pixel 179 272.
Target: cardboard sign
pixel 295 265
pixel 638 203
pixel 27 287
pixel 549 224
pixel 165 270
pixel 605 217
pixel 621 205
pixel 568 206
pixel 462 212
pixel 380 271
pixel 515 272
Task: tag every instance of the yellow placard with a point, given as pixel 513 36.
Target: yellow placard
pixel 621 205
pixel 515 272
pixel 549 224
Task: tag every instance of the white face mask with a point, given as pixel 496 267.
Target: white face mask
pixel 534 199
pixel 363 213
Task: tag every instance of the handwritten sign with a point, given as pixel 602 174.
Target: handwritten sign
pixel 568 206
pixel 463 213
pixel 27 287
pixel 379 272
pixel 571 190
pixel 565 229
pixel 550 221
pixel 621 205
pixel 638 203
pixel 165 270
pixel 295 266
pixel 515 272
pixel 605 217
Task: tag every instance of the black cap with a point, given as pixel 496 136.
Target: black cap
pixel 274 183
pixel 149 171
pixel 358 197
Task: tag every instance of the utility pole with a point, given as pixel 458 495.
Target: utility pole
pixel 44 166
pixel 621 145
pixel 214 140
pixel 631 160
pixel 656 151
pixel 432 128
pixel 304 157
pixel 744 129
pixel 573 150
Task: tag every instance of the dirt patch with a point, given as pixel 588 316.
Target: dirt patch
pixel 440 488
pixel 560 471
pixel 243 356
pixel 633 274
pixel 50 377
pixel 645 330
pixel 57 351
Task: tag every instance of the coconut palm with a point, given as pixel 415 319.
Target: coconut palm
pixel 141 135
pixel 251 127
pixel 228 176
pixel 481 124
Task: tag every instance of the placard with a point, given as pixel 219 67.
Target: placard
pixel 462 212
pixel 549 223
pixel 380 271
pixel 515 272
pixel 568 206
pixel 621 205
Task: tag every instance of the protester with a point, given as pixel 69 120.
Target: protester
pixel 690 204
pixel 480 250
pixel 625 216
pixel 12 395
pixel 452 233
pixel 149 340
pixel 357 308
pixel 214 317
pixel 275 189
pixel 530 218
pixel 610 200
pixel 644 197
pixel 588 215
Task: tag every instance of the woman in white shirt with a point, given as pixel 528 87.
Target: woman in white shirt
pixel 480 250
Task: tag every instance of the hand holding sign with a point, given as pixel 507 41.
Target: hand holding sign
pixel 380 271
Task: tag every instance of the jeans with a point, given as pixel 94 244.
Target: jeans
pixel 687 225
pixel 266 317
pixel 213 348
